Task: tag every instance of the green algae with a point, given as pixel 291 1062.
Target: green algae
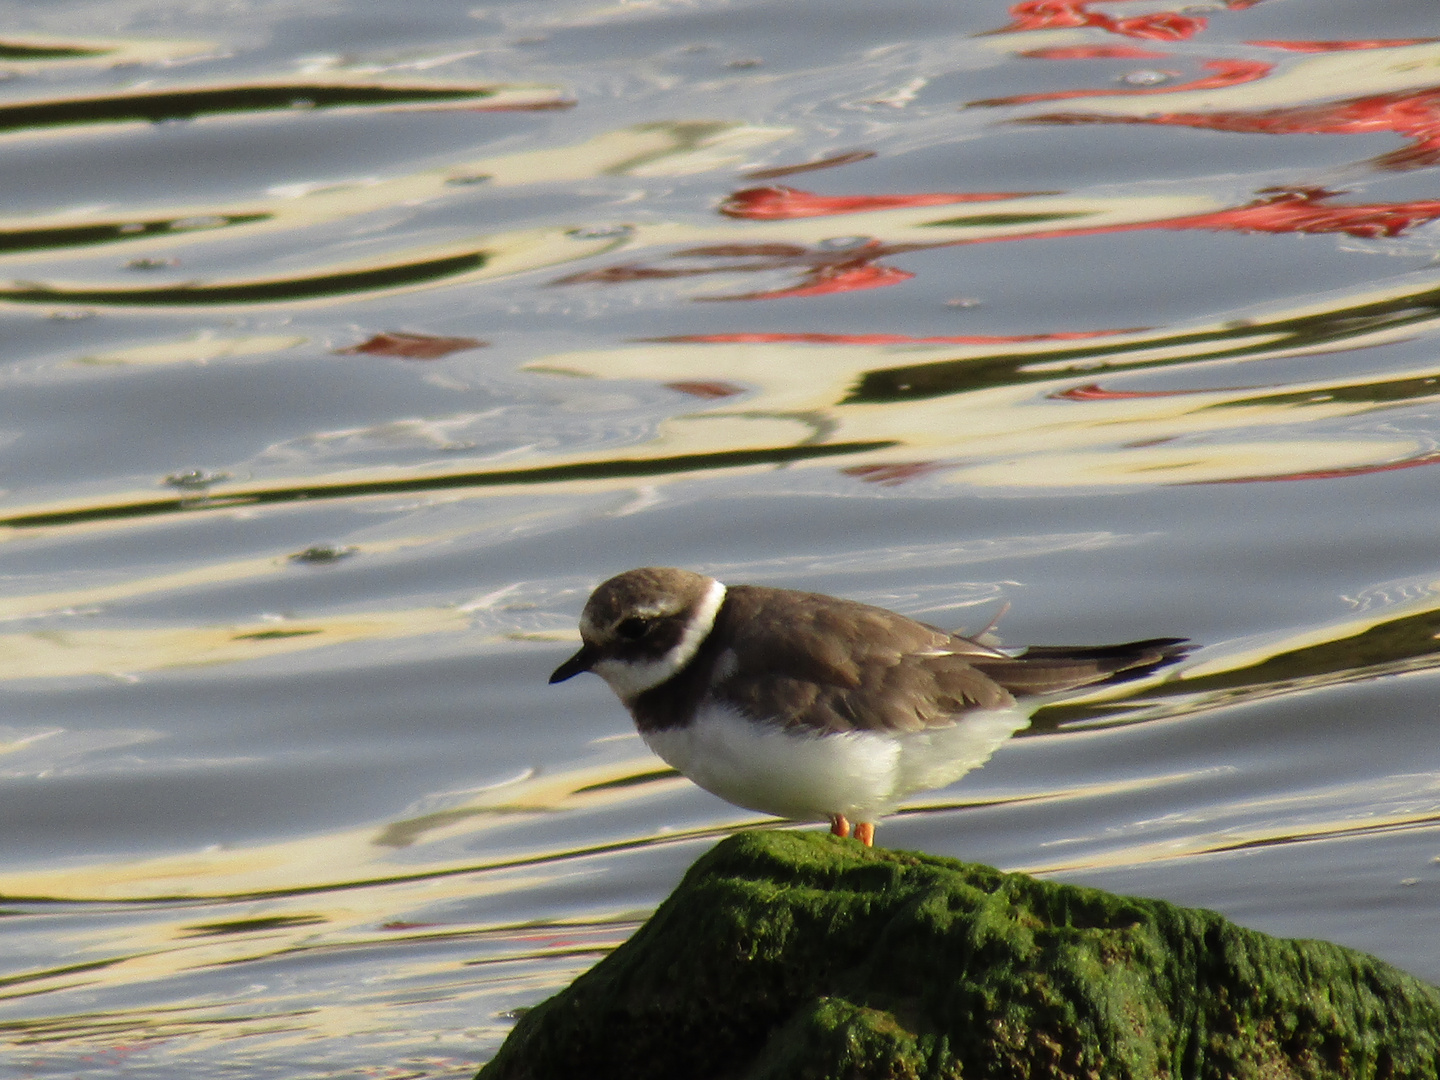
pixel 799 955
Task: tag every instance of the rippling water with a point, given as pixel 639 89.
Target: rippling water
pixel 348 346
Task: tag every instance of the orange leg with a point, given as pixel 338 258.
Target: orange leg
pixel 865 833
pixel 840 826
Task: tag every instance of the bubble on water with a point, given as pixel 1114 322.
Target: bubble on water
pixel 320 554
pixel 1146 77
pixel 842 243
pixel 599 232
pixel 195 478
pixel 200 221
pixel 319 62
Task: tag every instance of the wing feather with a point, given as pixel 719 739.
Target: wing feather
pixel 817 663
pixel 822 664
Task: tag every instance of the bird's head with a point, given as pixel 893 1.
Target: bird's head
pixel 642 627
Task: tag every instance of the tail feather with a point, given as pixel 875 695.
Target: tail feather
pixel 1047 669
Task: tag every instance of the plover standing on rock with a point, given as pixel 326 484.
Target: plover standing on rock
pixel 811 707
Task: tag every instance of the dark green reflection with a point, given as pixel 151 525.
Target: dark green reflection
pixel 256 292
pixel 1408 643
pixel 619 468
pixel 110 232
pixel 54 972
pixel 188 104
pixel 630 781
pixel 251 926
pixel 1377 393
pixel 274 635
pixel 1404 639
pixel 1239 339
pixel 976 221
pixel 11 51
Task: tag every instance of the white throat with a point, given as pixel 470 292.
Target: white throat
pixel 631 678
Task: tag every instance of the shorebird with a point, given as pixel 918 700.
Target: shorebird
pixel 812 707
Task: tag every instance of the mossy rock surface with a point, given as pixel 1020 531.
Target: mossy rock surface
pixel 796 954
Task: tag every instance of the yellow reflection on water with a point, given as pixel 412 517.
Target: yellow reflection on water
pixel 989 411
pixel 62 653
pixel 30 53
pixel 1300 81
pixel 654 149
pixel 395 852
pixel 1350 811
pixel 92 597
pixel 1383 639
pixel 200 349
pixel 477 258
pixel 1022 417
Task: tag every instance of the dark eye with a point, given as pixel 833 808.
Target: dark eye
pixel 633 628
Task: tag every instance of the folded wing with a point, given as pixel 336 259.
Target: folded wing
pixel 834 666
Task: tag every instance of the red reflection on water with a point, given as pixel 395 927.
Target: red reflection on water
pixel 412 346
pixel 708 390
pixel 855 266
pixel 1096 392
pixel 1303 210
pixel 780 203
pixel 1160 26
pixel 825 271
pixel 1432 458
pixel 1073 14
pixel 1289 210
pixel 1226 73
pixel 888 339
pixel 771 256
pixel 1094 52
pixel 1341 46
pixel 843 277
pixel 1412 114
pixel 1048 15
pixel 1284 210
pixel 894 474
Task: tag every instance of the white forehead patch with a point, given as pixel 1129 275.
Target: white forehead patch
pixel 631 678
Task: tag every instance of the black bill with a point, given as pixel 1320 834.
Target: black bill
pixel 581 661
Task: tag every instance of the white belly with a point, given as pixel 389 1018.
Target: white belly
pixel 859 774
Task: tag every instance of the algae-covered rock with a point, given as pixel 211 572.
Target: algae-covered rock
pixel 796 954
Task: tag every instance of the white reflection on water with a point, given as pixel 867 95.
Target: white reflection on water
pixel 324 819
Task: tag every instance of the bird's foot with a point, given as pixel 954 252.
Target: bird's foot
pixel 864 830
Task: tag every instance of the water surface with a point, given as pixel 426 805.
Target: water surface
pixel 348 346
